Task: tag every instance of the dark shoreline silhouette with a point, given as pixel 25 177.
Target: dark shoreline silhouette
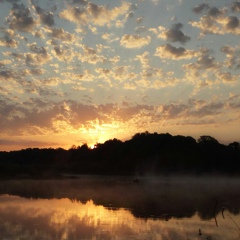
pixel 144 154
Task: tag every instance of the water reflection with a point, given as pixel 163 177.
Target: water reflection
pixel 118 209
pixel 22 218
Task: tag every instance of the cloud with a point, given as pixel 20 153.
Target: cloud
pixel 36 49
pixel 32 71
pixel 63 53
pixel 22 119
pixel 109 37
pixel 140 29
pixel 174 34
pixel 227 77
pixel 6 74
pixel 86 76
pixel 74 14
pixel 61 116
pixel 232 23
pixel 20 18
pixel 233 58
pixel 214 12
pixel 37 71
pixel 37 116
pixel 206 61
pixel 50 81
pixel 46 17
pixel 39 34
pixel 103 73
pixel 91 55
pixel 155 79
pixel 95 10
pixel 114 59
pixel 200 8
pixel 201 72
pixel 137 111
pixel 61 34
pixel 122 73
pixel 235 6
pixel 216 21
pixel 24 81
pixel 151 72
pixel 8 41
pixel 10 1
pixel 170 111
pixel 170 52
pixel 194 110
pixel 36 59
pixel 144 59
pixel 81 2
pixel 139 20
pixel 130 15
pixel 5 62
pixel 208 109
pixel 134 41
pixel 26 143
pixel 92 13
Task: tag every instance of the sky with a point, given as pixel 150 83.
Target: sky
pixel 79 71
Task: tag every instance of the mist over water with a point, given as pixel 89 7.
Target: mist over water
pixel 93 207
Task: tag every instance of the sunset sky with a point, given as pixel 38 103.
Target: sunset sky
pixel 79 71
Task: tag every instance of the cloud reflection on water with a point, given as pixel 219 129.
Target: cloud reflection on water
pixel 22 218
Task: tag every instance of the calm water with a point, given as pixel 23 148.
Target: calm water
pixel 119 208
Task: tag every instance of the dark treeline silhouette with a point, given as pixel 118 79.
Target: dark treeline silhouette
pixel 144 154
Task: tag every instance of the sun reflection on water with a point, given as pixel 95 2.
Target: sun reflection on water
pixel 70 219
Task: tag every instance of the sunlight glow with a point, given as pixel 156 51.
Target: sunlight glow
pixel 73 219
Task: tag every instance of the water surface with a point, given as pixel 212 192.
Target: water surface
pixel 120 208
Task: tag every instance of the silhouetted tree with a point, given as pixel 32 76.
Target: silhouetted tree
pixel 207 140
pixel 144 153
pixel 235 146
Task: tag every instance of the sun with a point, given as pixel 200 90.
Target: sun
pixel 101 132
pixel 92 146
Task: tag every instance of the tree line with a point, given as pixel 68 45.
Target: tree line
pixel 144 154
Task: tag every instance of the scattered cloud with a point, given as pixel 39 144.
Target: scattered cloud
pixel 21 19
pixel 201 7
pixel 94 14
pixel 227 77
pixel 139 20
pixel 174 34
pixel 36 59
pixel 7 41
pixel 63 53
pixel 46 17
pixel 134 41
pixel 140 29
pixel 170 52
pixel 144 59
pixel 233 56
pixel 61 34
pixel 216 21
pixel 235 6
pixel 204 66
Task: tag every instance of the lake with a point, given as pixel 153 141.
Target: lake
pixel 93 207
